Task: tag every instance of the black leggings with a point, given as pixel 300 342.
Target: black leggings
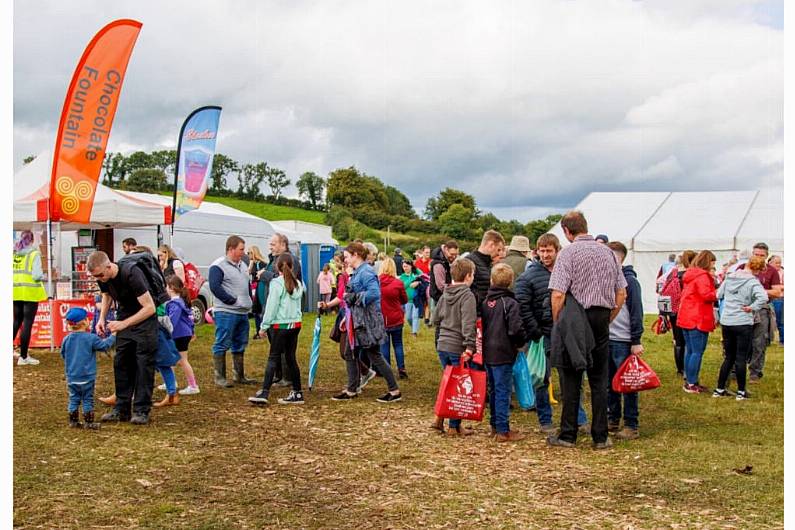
pixel 679 345
pixel 24 315
pixel 283 341
pixel 737 345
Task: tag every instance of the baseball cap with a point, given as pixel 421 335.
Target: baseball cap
pixel 603 237
pixel 76 314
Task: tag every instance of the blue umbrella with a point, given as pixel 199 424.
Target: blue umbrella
pixel 314 355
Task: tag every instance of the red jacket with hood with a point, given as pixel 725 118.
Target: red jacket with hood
pixel 393 298
pixel 696 309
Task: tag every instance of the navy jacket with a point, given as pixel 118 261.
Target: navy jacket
pixel 533 295
pixel 503 332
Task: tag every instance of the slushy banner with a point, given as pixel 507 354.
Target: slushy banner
pixel 195 158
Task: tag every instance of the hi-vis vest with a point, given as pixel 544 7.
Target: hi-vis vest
pixel 26 289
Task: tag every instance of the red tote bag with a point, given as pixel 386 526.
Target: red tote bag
pixel 462 394
pixel 634 375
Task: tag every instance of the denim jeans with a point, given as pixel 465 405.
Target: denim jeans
pixel 619 351
pixel 395 336
pixel 167 373
pixel 412 316
pixel 501 382
pixel 695 344
pixel 778 308
pixel 231 332
pixel 450 359
pixel 81 393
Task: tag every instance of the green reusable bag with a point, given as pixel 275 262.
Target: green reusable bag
pixel 537 363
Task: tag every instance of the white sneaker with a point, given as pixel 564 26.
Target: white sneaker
pixel 189 390
pixel 27 360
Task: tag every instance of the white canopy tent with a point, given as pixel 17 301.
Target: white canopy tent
pixel 201 234
pixel 112 209
pixel 654 225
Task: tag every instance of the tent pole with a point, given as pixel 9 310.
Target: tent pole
pixel 49 273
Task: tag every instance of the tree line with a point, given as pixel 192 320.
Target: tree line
pixel 357 205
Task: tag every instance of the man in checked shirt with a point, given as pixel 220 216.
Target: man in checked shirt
pixel 589 271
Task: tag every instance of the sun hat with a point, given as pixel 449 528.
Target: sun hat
pixel 520 243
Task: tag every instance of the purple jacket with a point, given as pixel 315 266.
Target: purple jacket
pixel 181 318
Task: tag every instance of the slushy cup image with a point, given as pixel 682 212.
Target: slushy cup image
pixel 196 162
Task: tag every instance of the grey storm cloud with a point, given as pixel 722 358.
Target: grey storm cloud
pixel 528 106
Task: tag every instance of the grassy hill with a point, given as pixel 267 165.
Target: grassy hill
pixel 271 212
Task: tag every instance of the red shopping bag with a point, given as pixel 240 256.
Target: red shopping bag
pixel 462 394
pixel 478 357
pixel 634 375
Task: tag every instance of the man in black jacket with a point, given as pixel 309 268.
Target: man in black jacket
pixel 491 249
pixel 532 293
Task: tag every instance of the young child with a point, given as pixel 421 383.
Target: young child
pixel 454 316
pixel 80 364
pixel 503 336
pixel 166 358
pixel 178 309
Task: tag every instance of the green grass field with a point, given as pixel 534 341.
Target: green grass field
pixel 271 212
pixel 214 461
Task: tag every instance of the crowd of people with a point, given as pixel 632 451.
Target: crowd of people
pixel 580 304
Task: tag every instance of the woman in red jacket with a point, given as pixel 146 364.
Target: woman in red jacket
pixel 697 316
pixel 393 298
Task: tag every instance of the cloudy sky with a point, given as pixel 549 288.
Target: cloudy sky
pixel 526 105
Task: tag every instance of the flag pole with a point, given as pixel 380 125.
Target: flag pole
pixel 50 293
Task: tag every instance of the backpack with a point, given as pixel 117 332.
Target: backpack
pixel 672 291
pixel 147 263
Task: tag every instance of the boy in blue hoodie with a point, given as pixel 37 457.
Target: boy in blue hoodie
pixel 625 333
pixel 80 364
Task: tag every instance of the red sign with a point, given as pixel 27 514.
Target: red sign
pixel 50 321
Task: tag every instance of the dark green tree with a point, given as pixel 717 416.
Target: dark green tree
pixel 436 206
pixel 398 203
pixel 166 161
pixel 534 229
pixel 146 180
pixel 458 222
pixel 28 159
pixel 139 160
pixel 250 179
pixel 115 167
pixel 489 221
pixel 310 187
pixel 223 166
pixel 277 180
